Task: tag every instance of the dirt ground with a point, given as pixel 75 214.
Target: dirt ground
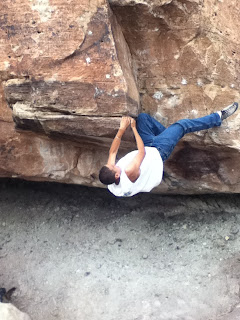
pixel 79 253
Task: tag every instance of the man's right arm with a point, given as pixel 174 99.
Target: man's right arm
pixel 125 121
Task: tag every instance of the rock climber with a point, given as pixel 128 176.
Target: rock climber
pixel 142 170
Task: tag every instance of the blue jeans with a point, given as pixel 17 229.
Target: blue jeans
pixel 154 134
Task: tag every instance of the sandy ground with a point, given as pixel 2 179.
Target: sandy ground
pixel 79 253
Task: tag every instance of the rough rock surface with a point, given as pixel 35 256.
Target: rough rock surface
pixel 69 71
pixel 186 57
pixel 66 59
pixel 66 71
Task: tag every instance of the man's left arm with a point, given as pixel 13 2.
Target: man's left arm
pixel 133 169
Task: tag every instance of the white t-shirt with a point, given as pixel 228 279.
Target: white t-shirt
pixel 150 176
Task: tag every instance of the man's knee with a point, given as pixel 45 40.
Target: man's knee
pixel 142 120
pixel 142 117
pixel 182 123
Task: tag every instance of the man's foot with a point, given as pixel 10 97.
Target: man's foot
pixel 229 110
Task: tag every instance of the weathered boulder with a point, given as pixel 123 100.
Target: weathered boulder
pixel 65 71
pixel 10 312
pixel 186 56
pixel 69 70
pixel 65 61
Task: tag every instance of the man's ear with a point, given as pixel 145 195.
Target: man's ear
pixel 117 178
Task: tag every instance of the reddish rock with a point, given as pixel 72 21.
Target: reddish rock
pixel 69 71
pixel 186 56
pixel 65 60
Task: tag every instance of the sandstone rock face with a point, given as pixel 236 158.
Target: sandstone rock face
pixel 186 57
pixel 70 69
pixel 66 72
pixel 66 60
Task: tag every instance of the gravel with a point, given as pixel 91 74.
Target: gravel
pixel 75 252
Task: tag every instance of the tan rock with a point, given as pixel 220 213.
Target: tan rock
pixel 187 60
pixel 66 72
pixel 66 59
pixel 10 312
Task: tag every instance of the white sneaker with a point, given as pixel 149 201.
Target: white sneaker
pixel 229 110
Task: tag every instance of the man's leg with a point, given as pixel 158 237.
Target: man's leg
pixel 148 128
pixel 167 140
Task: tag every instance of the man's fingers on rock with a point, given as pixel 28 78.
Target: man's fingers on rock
pixel 133 122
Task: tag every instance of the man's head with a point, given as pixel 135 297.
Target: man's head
pixel 109 174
